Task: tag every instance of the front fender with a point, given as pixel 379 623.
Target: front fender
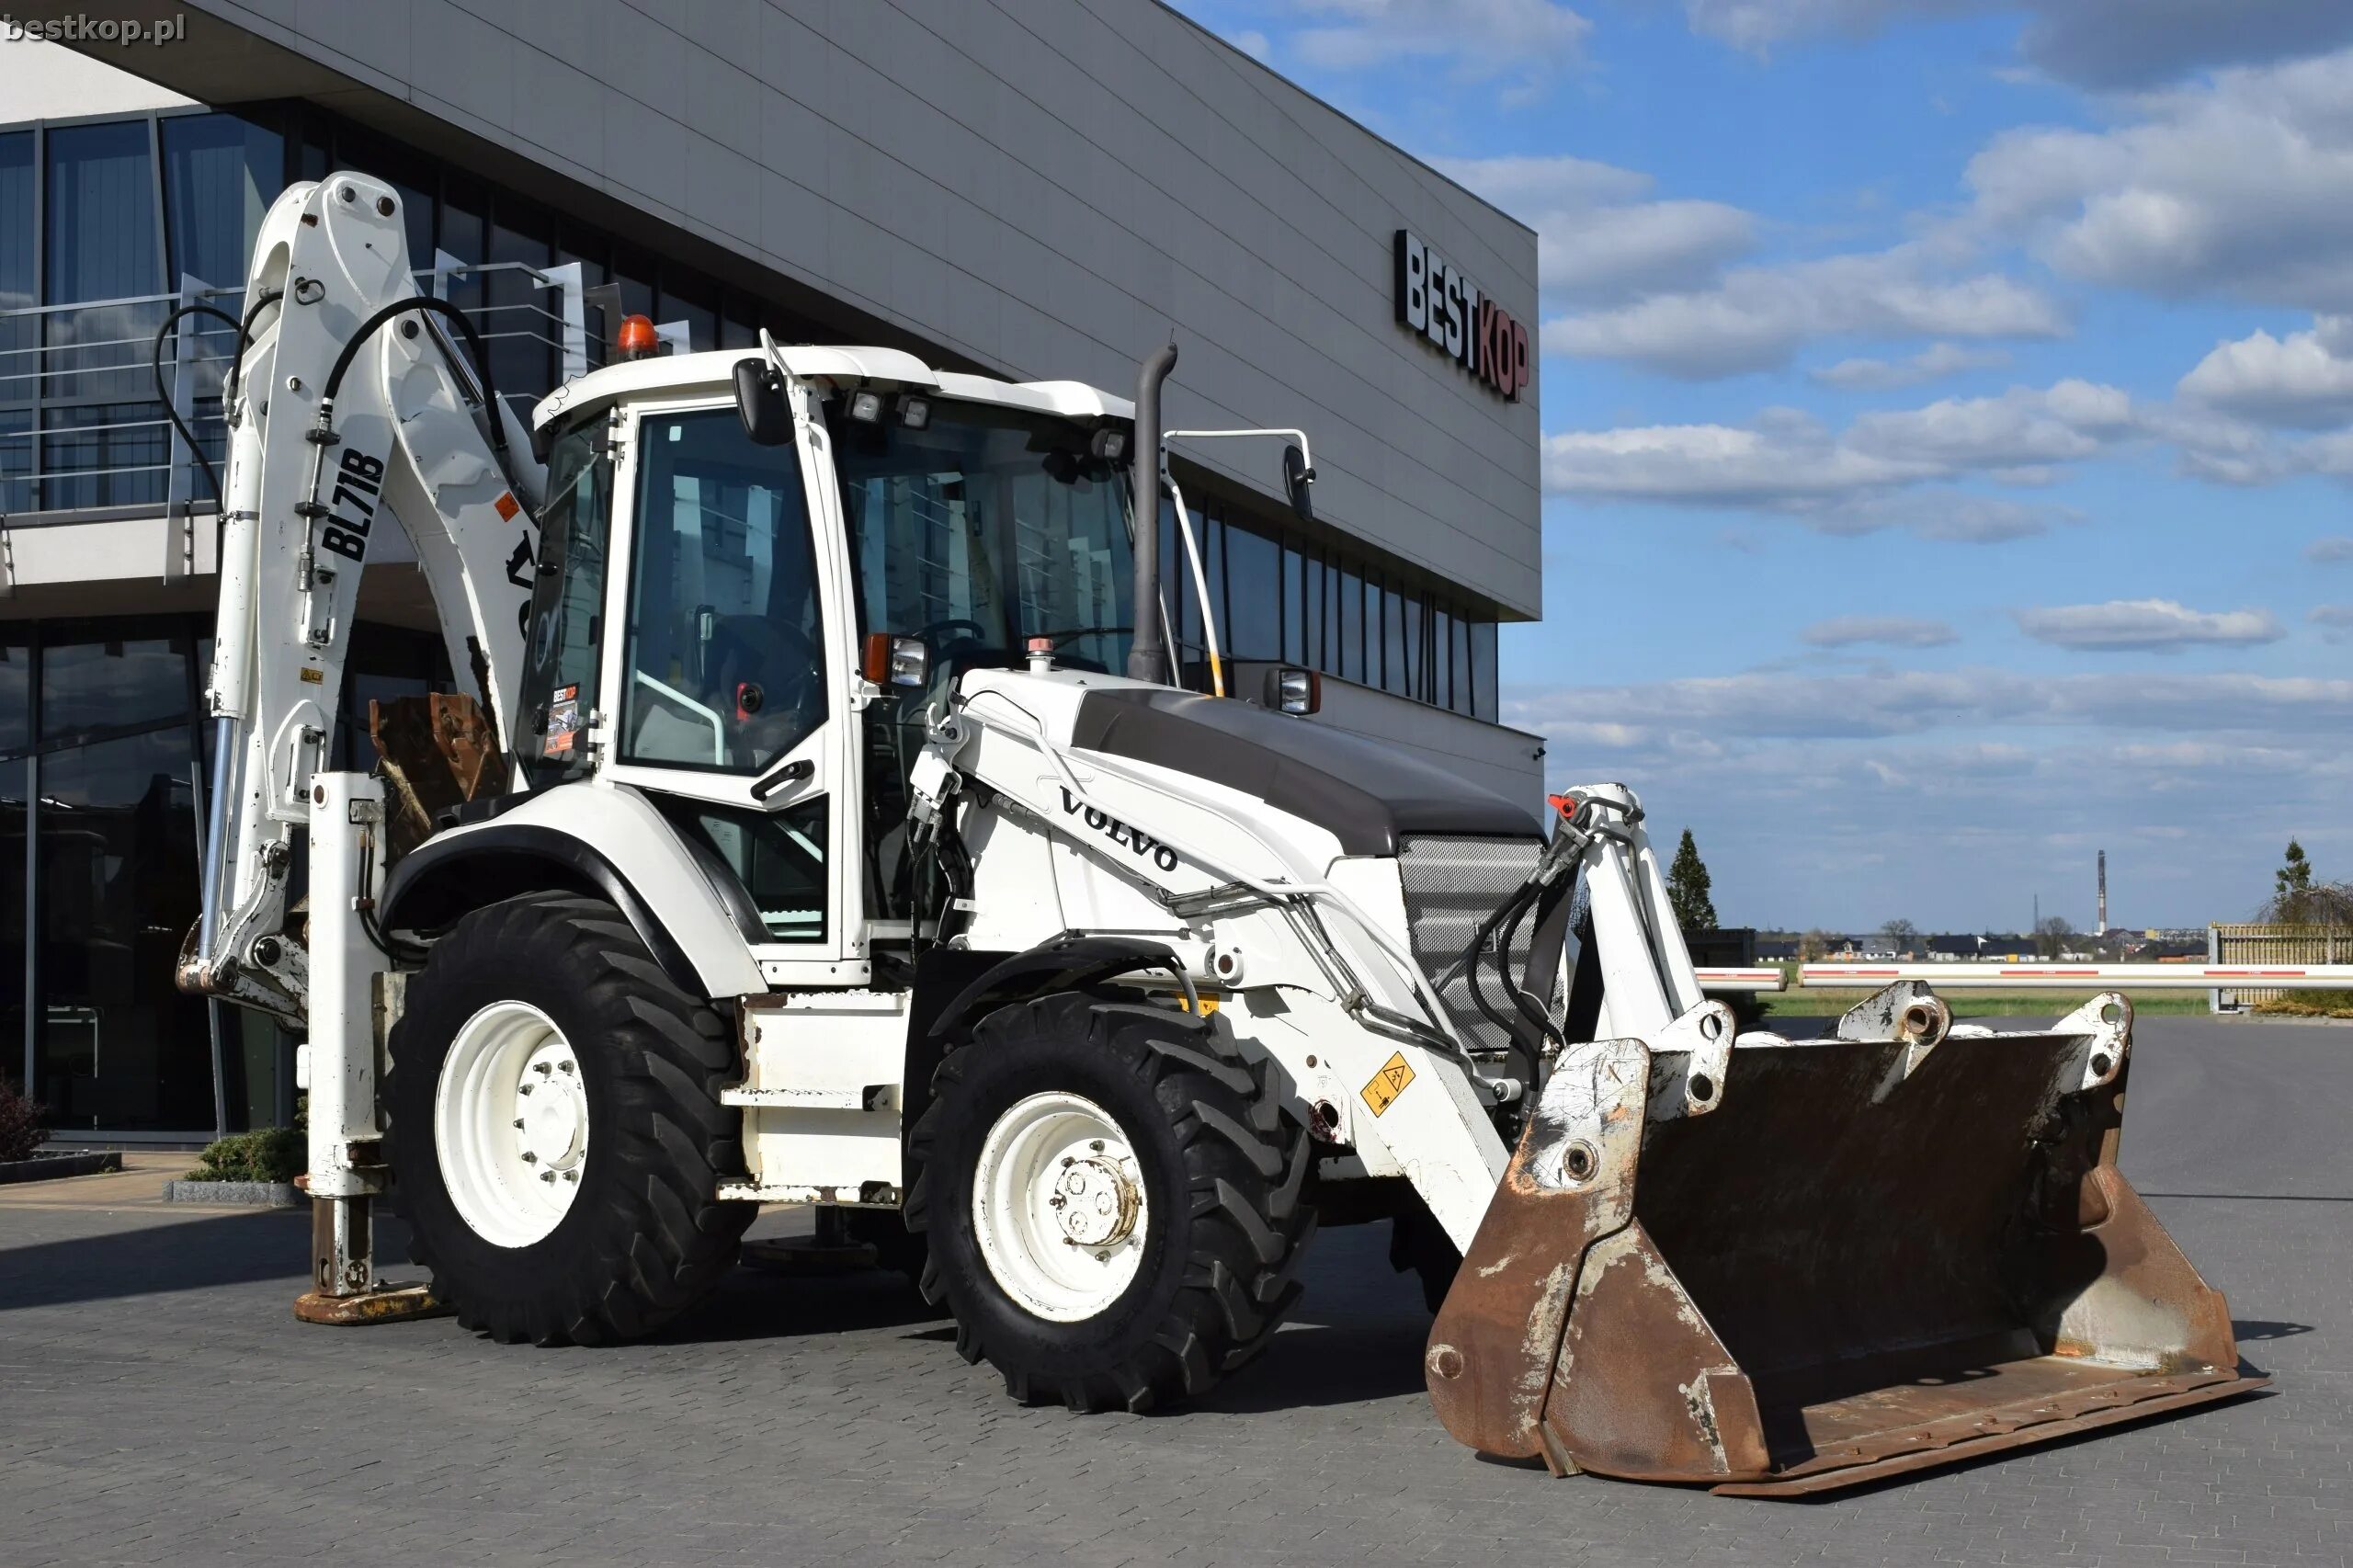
pixel 610 842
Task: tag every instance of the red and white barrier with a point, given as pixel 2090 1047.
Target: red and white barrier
pixel 2080 976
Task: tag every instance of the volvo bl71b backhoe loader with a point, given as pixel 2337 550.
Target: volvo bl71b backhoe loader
pixel 835 836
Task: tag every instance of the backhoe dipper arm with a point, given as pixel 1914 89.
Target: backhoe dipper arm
pixel 352 411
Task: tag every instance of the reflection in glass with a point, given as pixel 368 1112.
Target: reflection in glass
pixel 725 657
pixel 120 1047
pixel 221 172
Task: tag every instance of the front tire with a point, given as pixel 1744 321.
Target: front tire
pixel 1112 1200
pixel 558 1136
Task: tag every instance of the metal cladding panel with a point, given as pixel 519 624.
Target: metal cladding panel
pixel 1045 190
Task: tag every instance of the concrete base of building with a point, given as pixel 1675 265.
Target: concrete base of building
pixel 50 1167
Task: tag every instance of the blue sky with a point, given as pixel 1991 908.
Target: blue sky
pixel 1949 422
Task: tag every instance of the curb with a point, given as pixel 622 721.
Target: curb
pixel 50 1167
pixel 236 1194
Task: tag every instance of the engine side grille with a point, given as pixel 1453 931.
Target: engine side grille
pixel 1451 885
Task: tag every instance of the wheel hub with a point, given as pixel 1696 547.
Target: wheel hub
pixel 1096 1200
pixel 552 1112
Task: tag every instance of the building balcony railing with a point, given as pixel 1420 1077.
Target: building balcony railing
pixel 83 431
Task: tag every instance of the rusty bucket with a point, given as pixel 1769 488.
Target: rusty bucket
pixel 1903 1245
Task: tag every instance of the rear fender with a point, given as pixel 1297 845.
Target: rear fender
pixel 608 843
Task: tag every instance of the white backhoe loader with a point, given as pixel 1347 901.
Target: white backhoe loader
pixel 818 824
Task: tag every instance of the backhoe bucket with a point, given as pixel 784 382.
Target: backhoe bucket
pixel 1786 1268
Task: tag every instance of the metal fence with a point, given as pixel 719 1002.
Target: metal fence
pixel 83 432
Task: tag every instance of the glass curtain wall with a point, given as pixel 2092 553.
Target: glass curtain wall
pixel 1286 598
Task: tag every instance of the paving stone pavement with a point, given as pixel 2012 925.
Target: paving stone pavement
pixel 159 1405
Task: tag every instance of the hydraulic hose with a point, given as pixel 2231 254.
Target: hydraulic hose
pixel 244 330
pixel 466 330
pixel 156 368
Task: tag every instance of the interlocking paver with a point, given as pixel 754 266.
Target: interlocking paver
pixel 158 1405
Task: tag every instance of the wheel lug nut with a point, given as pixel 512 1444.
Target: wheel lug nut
pixel 547 1175
pixel 518 1124
pixel 563 1066
pixel 529 1158
pixel 573 1176
pixel 522 1089
pixel 543 1069
pixel 1097 1145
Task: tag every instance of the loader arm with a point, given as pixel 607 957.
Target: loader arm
pixel 354 415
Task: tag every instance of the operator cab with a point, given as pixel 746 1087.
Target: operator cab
pixel 745 579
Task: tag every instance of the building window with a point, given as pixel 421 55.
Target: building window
pixel 100 220
pixel 220 174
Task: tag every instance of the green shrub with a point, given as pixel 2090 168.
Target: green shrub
pixel 274 1153
pixel 22 1125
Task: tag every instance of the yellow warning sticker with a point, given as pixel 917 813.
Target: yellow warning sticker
pixel 1388 1084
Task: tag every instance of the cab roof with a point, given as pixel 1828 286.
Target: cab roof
pixel 714 374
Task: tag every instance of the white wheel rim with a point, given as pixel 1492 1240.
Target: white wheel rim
pixel 1059 1207
pixel 510 1124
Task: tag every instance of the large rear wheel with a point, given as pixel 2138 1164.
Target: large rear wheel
pixel 557 1134
pixel 1112 1200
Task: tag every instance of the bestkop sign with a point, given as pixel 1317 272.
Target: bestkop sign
pixel 1434 299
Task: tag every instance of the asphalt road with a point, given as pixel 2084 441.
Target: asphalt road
pixel 158 1405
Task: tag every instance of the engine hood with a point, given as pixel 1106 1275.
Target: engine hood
pixel 1370 796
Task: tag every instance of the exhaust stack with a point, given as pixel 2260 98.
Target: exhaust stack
pixel 1148 650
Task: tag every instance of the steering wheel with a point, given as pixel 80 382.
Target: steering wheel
pixel 935 635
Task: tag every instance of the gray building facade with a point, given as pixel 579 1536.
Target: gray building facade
pixel 1030 188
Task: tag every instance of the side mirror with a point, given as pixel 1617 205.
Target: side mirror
pixel 760 402
pixel 1294 690
pixel 895 660
pixel 1297 477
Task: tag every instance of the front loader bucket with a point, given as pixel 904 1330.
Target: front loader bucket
pixel 1792 1266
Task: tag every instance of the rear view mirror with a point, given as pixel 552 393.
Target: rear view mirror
pixel 1297 477
pixel 761 403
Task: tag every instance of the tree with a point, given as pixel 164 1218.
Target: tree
pixel 1814 946
pixel 2051 934
pixel 1686 888
pixel 2300 898
pixel 1901 935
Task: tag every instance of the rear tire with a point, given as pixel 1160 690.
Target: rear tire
pixel 628 1233
pixel 1197 1248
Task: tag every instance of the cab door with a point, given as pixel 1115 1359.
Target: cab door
pixel 729 680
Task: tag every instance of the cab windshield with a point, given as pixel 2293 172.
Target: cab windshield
pixel 984 527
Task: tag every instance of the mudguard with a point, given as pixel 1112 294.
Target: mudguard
pixel 605 840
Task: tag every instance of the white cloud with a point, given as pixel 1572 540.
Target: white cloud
pixel 2304 378
pixel 1598 236
pixel 1776 705
pixel 1877 473
pixel 1932 363
pixel 2336 621
pixel 2099 43
pixel 2329 552
pixel 2022 428
pixel 2241 187
pixel 2146 626
pixel 1937 512
pixel 1250 42
pixel 1756 318
pixel 1888 631
pixel 1480 40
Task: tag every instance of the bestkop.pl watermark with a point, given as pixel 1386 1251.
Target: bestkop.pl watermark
pixel 80 28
